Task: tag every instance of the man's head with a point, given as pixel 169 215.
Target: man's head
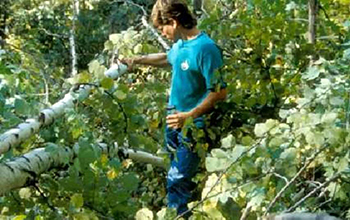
pixel 169 15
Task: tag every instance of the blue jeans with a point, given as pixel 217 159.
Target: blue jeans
pixel 183 167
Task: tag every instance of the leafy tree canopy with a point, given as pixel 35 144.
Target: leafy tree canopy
pixel 282 133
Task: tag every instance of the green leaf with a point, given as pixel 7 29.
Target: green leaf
pixel 291 6
pixel 329 118
pixel 260 129
pixel 315 138
pixel 336 101
pixel 129 181
pixel 213 164
pixel 166 213
pixel 289 154
pixel 120 95
pixel 115 38
pixel 77 200
pixel 93 66
pixel 107 83
pixel 237 152
pixel 218 153
pixel 247 140
pixel 138 49
pixel 144 214
pixel 20 217
pixel 21 107
pixel 312 73
pixel 343 164
pixel 346 54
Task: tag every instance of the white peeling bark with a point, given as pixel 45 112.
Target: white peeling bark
pixel 22 170
pixel 155 33
pixel 15 136
pixel 72 38
pixel 301 216
pixel 141 157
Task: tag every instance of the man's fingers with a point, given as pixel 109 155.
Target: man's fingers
pixel 172 121
pixel 172 116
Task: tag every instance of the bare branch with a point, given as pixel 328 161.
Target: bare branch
pixel 146 24
pixel 246 212
pixel 53 34
pixel 282 177
pixel 333 178
pixel 280 193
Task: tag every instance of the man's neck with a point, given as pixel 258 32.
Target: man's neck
pixel 188 34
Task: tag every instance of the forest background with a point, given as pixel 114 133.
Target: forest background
pixel 281 137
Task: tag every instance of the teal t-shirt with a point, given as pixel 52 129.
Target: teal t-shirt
pixel 195 65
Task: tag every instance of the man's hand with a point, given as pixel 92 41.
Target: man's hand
pixel 177 120
pixel 130 62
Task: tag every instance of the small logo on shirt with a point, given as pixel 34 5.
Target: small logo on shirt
pixel 185 65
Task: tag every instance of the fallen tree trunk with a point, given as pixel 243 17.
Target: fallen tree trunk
pixel 301 216
pixel 15 136
pixel 23 170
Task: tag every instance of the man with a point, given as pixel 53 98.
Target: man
pixel 195 88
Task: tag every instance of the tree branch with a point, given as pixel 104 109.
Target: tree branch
pixel 145 23
pixel 334 177
pixel 280 193
pixel 246 212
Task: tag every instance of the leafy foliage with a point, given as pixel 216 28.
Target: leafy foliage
pixel 285 122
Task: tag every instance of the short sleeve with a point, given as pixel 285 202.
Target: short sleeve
pixel 172 53
pixel 210 65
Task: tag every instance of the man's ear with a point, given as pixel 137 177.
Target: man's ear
pixel 174 23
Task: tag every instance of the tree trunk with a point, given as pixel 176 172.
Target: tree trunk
pixel 197 6
pixel 23 170
pixel 15 136
pixel 4 11
pixel 72 38
pixel 312 21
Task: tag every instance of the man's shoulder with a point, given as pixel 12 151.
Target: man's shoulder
pixel 206 44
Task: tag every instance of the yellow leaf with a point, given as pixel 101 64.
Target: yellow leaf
pixel 77 200
pixel 104 159
pixel 111 174
pixel 20 217
pixel 76 132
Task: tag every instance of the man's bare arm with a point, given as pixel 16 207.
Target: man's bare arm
pixel 208 103
pixel 155 59
pixel 178 119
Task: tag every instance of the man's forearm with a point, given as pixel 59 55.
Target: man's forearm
pixel 208 103
pixel 156 59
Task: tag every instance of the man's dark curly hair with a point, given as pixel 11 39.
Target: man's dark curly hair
pixel 164 10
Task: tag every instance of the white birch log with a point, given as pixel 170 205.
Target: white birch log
pixel 15 136
pixel 22 170
pixel 301 216
pixel 141 157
